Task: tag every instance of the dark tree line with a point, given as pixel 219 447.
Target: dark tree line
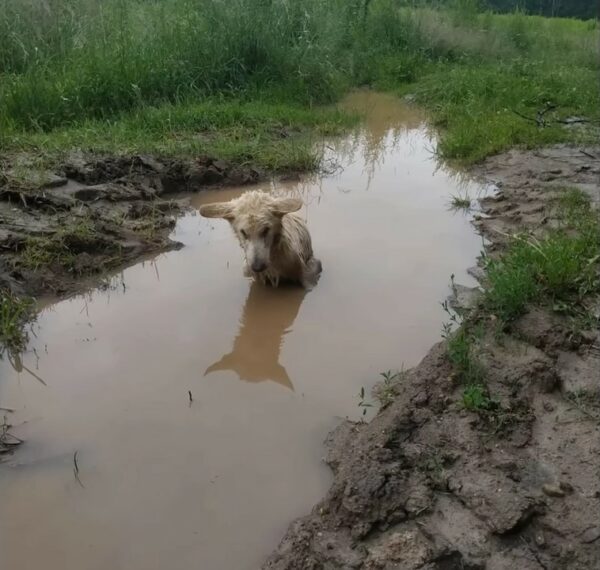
pixel 584 9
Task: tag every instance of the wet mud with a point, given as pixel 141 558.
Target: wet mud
pixel 429 485
pixel 63 226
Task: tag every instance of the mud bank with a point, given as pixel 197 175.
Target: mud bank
pixel 62 227
pixel 429 485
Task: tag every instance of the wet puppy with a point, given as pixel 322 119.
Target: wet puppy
pixel 276 243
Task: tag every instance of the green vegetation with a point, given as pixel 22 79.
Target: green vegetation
pixel 560 268
pixel 462 345
pixel 14 313
pixel 275 136
pixel 62 247
pixel 186 76
pixel 386 391
pixel 363 404
pixel 476 398
pixel 459 202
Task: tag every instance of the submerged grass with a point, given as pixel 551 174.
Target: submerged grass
pixel 185 76
pixel 460 202
pixel 14 314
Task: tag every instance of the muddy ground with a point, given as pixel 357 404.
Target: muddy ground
pixel 429 485
pixel 64 226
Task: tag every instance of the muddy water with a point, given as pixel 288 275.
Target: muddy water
pixel 212 482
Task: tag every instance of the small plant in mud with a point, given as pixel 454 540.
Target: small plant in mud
pixel 461 338
pixel 434 464
pixel 363 404
pixel 462 354
pixel 453 319
pixel 560 269
pixel 588 404
pixel 476 398
pixel 458 202
pixel 385 391
pixel 14 314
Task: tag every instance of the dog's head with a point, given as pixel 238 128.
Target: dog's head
pixel 256 218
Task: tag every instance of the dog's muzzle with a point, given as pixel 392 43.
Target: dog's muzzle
pixel 258 266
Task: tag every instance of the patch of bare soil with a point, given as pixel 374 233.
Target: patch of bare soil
pixel 61 227
pixel 430 485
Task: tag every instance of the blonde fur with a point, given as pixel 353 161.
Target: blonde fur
pixel 277 245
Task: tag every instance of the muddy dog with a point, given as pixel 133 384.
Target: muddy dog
pixel 277 245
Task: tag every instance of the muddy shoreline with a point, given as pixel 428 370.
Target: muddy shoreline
pixel 426 484
pixel 429 485
pixel 63 227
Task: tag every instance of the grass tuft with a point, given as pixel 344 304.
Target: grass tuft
pixel 458 202
pixel 14 314
pixel 476 398
pixel 62 248
pixel 462 353
pixel 559 269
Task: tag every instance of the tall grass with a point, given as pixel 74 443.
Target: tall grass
pixel 67 61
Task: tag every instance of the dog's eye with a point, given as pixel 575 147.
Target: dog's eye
pixel 264 233
pixel 244 234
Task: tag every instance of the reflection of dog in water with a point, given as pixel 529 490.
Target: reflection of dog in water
pixel 268 315
pixel 276 243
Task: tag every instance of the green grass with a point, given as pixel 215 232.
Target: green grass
pixel 61 249
pixel 275 136
pixel 481 107
pixel 386 389
pixel 189 76
pixel 560 269
pixel 462 352
pixel 14 314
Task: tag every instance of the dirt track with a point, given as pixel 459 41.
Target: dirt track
pixel 63 226
pixel 430 485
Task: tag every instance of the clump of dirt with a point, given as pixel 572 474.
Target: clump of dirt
pixel 431 484
pixel 64 224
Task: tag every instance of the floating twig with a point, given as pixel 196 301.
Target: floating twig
pixel 76 469
pixel 589 154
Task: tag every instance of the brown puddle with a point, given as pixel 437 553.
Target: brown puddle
pixel 213 483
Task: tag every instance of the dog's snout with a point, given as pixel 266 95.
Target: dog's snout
pixel 259 266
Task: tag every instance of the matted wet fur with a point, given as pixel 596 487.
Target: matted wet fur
pixel 276 244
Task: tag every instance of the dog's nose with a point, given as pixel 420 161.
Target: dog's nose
pixel 259 266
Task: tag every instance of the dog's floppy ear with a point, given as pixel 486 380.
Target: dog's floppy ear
pixel 217 210
pixel 283 206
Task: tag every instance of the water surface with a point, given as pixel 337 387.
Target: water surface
pixel 212 483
